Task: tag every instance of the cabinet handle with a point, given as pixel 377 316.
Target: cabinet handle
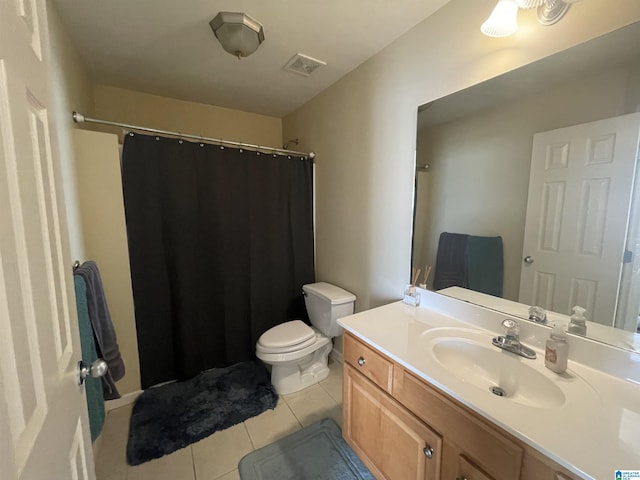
pixel 461 478
pixel 428 452
pixel 361 361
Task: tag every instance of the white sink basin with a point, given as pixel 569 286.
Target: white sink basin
pixel 471 358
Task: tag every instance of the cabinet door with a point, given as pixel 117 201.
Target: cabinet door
pixel 535 466
pixel 393 443
pixel 469 471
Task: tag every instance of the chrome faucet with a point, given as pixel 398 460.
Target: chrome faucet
pixel 510 341
pixel 537 315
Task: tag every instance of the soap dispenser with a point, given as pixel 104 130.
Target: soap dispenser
pixel 578 322
pixel 556 353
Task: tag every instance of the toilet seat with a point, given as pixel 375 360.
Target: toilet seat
pixel 294 356
pixel 286 337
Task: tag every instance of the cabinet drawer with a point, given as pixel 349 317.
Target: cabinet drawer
pixel 482 445
pixel 368 362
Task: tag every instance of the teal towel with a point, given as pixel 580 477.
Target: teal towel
pixel 93 386
pixel 485 265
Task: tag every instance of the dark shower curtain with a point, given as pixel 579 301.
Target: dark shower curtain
pixel 220 244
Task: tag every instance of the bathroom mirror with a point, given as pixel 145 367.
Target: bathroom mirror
pixel 473 159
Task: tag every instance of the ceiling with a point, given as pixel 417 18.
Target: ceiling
pixel 166 47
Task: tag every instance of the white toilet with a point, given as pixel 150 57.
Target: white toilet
pixel 297 353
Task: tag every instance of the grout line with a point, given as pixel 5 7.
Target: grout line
pixel 246 429
pixel 193 463
pixel 225 474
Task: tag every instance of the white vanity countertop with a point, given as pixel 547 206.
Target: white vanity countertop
pixel 594 433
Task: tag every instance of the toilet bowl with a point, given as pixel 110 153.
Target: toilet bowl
pixel 298 353
pixel 297 365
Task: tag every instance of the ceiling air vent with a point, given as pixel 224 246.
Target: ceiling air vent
pixel 303 65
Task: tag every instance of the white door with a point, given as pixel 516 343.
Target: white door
pixel 577 215
pixel 43 418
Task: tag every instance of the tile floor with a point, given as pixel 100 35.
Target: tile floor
pixel 216 457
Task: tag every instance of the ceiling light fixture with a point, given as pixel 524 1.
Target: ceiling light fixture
pixel 238 33
pixel 503 20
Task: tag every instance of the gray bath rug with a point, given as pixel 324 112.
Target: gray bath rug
pixel 172 416
pixel 316 452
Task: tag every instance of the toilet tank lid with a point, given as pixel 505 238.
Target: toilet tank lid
pixel 329 292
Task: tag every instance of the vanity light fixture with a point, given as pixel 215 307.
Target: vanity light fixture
pixel 503 20
pixel 238 33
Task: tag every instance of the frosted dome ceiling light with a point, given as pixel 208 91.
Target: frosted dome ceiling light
pixel 503 21
pixel 238 33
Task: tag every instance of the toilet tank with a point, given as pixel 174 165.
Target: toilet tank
pixel 325 304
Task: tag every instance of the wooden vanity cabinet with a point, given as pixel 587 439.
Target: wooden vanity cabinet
pixel 404 429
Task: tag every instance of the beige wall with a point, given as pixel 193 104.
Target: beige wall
pixel 100 188
pixel 71 89
pixel 493 150
pixel 102 210
pixel 363 129
pixel 143 109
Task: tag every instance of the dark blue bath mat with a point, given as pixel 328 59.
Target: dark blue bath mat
pixel 316 452
pixel 172 416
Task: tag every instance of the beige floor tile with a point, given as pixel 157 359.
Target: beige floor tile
pixel 115 475
pixel 272 425
pixel 117 421
pixel 112 457
pixel 177 465
pixel 220 453
pixel 313 404
pixel 333 386
pixel 230 476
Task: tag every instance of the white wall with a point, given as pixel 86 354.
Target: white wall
pixel 479 165
pixel 363 129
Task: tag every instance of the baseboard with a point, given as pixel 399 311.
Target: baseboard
pixel 125 399
pixel 336 356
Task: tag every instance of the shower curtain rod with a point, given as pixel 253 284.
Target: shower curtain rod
pixel 79 118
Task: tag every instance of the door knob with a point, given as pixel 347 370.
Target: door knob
pixel 428 452
pixel 528 259
pixel 97 369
